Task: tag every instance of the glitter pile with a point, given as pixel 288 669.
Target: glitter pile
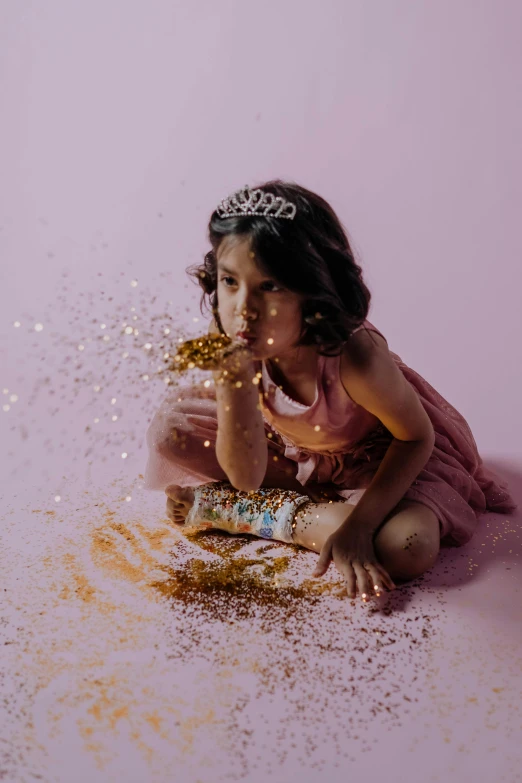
pixel 201 352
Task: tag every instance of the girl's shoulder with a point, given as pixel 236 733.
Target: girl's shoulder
pixel 362 346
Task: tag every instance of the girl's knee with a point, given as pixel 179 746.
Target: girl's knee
pixel 408 543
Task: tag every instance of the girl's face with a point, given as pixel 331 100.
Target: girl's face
pixel 252 303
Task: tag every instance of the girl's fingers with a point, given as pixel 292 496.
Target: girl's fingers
pixel 349 575
pixel 364 582
pixel 377 579
pixel 388 581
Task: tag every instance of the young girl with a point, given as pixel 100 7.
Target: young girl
pixel 314 432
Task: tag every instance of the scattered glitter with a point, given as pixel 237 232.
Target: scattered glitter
pixel 129 330
pixel 113 401
pixel 207 384
pixel 96 388
pixel 145 377
pixel 128 498
pixel 106 338
pixel 136 332
pixel 134 283
pixel 103 326
pixel 57 498
pixel 6 391
pixel 96 421
pixel 81 347
pixel 124 455
pixel 17 324
pixel 115 418
pixel 13 398
pixel 147 346
pixel 317 427
pixel 195 319
pixel 38 327
pixel 206 443
pixel 273 311
pixel 6 408
pixel 166 331
pixel 270 341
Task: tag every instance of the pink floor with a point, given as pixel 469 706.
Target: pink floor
pixel 131 652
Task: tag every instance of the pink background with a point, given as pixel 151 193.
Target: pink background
pixel 124 123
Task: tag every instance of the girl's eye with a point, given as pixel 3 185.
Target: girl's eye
pixel 271 285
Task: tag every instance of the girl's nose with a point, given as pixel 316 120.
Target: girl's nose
pixel 248 312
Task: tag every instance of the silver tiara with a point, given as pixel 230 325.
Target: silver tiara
pixel 255 202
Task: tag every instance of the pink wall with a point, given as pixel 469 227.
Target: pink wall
pixel 124 123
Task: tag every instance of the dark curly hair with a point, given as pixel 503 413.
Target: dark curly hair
pixel 310 255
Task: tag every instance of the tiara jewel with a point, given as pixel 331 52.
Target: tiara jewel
pixel 255 202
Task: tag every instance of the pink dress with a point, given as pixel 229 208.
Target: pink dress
pixel 333 441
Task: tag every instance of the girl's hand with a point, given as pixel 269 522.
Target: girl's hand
pixel 212 352
pixel 233 363
pixel 351 549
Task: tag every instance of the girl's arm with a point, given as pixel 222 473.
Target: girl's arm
pixel 241 447
pixel 373 380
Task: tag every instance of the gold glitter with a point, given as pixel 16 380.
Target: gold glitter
pixel 270 341
pixel 206 443
pixel 200 352
pixel 317 427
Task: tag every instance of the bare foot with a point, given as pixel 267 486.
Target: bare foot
pixel 179 502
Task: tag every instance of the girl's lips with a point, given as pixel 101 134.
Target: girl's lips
pixel 247 337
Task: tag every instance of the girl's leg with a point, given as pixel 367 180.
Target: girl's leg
pixel 182 446
pixel 406 545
